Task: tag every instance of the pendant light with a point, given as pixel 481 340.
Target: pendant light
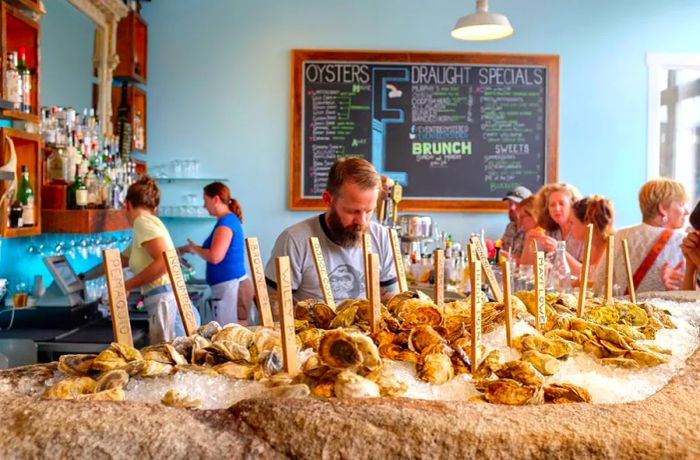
pixel 482 25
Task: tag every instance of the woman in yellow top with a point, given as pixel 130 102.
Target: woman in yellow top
pixel 144 258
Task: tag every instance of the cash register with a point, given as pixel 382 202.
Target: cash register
pixel 66 290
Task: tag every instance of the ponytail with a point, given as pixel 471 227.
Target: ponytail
pixel 235 208
pixel 222 191
pixel 598 211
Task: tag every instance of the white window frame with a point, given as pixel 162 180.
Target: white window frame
pixel 656 62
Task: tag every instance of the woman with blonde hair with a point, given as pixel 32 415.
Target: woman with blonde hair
pixel 144 258
pixel 553 208
pixel 598 211
pixel 654 245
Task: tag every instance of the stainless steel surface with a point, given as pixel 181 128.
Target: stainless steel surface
pixel 415 227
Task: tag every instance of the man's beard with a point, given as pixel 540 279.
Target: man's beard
pixel 346 237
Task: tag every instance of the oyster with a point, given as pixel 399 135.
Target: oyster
pixel 70 388
pixel 436 369
pixel 520 371
pixel 196 368
pixel 646 358
pixel 555 347
pixel 314 367
pixel 604 314
pixel 175 398
pixel 126 352
pixel 324 388
pixel 370 354
pixel 422 316
pixel 489 365
pixel 108 360
pixel 558 393
pixel 545 364
pixel 154 369
pixel 230 350
pixel 350 385
pixel 110 394
pixel 621 362
pixel 234 333
pixel 235 370
pixel 112 379
pixel 317 313
pixel 346 316
pixel 77 365
pixel 511 392
pixel 310 338
pixel 423 337
pixel 208 330
pixel 339 350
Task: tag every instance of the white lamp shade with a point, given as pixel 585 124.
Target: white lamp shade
pixel 482 26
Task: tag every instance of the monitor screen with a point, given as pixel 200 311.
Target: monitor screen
pixel 63 274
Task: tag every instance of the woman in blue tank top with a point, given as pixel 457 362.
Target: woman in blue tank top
pixel 224 252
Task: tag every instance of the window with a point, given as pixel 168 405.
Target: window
pixel 674 119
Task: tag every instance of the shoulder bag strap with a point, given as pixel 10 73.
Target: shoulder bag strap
pixel 649 260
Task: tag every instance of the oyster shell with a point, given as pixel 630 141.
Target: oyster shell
pixel 559 393
pixel 436 369
pixel 511 392
pixel 520 371
pixel 76 365
pixel 350 385
pixel 545 364
pixel 175 398
pixel 337 349
pixel 111 379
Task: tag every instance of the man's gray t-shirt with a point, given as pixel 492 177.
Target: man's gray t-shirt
pixel 345 266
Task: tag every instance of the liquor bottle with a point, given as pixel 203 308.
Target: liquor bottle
pixel 26 81
pixel 77 192
pixel 57 167
pixel 25 195
pixel 12 81
pixel 123 124
pixel 138 132
pixel 15 218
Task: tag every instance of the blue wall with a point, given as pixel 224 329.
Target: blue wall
pixel 219 85
pixel 219 78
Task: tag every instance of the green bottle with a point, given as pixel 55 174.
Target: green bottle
pixel 25 195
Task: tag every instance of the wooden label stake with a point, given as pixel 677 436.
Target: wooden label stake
pixel 610 260
pixel 284 297
pixel 182 298
pixel 585 263
pixel 375 300
pixel 505 268
pixel 628 267
pixel 118 306
pixel 471 255
pixel 323 280
pixel 486 266
pixel 258 271
pixel 396 195
pixel 366 251
pixel 541 312
pixel 439 267
pixel 475 274
pixel 398 260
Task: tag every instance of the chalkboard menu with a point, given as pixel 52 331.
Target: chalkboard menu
pixel 458 130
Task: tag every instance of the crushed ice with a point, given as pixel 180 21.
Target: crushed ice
pixel 606 384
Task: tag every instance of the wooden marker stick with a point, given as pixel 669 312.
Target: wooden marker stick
pixel 182 298
pixel 286 303
pixel 375 299
pixel 628 267
pixel 486 266
pixel 505 268
pixel 585 263
pixel 439 267
pixel 258 272
pixel 323 280
pixel 609 270
pixel 398 261
pixel 541 312
pixel 475 274
pixel 471 255
pixel 118 306
pixel 396 195
pixel 366 251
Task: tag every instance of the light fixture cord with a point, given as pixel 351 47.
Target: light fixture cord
pixel 482 6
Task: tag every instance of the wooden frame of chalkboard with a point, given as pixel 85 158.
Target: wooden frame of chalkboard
pixel 457 129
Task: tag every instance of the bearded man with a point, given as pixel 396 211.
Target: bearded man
pixel 350 196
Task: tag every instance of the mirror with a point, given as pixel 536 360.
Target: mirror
pixel 85 40
pixel 66 56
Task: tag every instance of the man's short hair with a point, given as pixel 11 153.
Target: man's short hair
pixel 351 169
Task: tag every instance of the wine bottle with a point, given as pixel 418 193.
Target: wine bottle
pixel 25 195
pixel 12 81
pixel 26 81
